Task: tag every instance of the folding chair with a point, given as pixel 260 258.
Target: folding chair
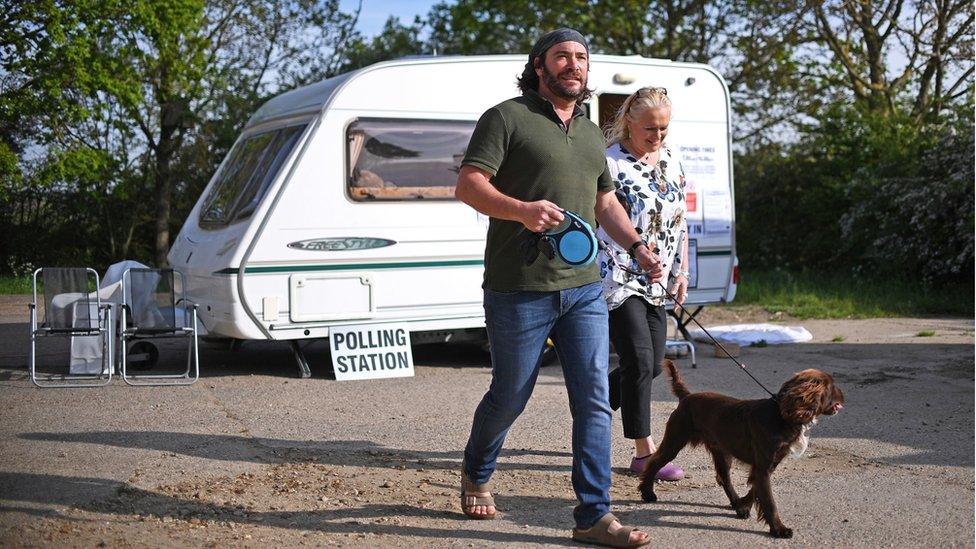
pixel 71 311
pixel 150 310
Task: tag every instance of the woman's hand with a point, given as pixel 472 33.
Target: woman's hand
pixel 680 289
pixel 650 262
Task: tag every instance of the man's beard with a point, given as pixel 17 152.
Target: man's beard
pixel 559 88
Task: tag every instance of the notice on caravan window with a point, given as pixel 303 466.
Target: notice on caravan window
pixel 699 162
pixel 719 212
pixel 708 197
pixel 371 351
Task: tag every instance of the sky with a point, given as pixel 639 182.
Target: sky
pixel 376 12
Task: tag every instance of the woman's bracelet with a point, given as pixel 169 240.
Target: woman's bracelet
pixel 634 246
pixel 685 274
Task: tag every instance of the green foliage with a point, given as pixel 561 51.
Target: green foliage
pixel 825 294
pixel 921 216
pixel 12 285
pixel 752 44
pixel 10 176
pixel 68 215
pixel 113 115
pixel 395 40
pixel 861 193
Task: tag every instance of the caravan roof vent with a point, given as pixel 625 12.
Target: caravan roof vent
pixel 624 78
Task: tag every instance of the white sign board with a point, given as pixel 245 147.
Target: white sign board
pixel 371 351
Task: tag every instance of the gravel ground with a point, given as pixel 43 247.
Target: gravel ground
pixel 252 456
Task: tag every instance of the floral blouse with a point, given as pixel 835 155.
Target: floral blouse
pixel 654 198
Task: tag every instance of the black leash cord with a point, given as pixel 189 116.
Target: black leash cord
pixel 691 316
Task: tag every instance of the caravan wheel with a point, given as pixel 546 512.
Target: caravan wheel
pixel 142 356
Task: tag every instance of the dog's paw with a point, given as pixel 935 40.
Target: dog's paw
pixel 648 495
pixel 781 532
pixel 741 511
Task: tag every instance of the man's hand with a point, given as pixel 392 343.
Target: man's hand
pixel 475 189
pixel 649 262
pixel 540 215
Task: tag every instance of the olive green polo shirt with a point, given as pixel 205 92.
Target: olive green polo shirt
pixel 531 156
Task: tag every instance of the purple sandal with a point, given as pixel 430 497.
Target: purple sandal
pixel 669 472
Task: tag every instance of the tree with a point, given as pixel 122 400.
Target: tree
pixel 868 38
pixel 395 40
pixel 753 44
pixel 139 80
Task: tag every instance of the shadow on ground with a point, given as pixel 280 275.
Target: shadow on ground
pixel 219 358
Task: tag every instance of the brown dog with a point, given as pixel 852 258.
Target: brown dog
pixel 757 432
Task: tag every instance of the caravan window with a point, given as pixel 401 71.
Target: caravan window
pixel 405 159
pixel 247 173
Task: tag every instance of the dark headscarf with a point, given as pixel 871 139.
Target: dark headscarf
pixel 552 38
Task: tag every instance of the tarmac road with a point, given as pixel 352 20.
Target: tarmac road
pixel 252 456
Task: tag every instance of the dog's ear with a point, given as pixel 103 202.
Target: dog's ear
pixel 800 398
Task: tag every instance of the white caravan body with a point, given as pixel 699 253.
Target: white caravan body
pixel 335 206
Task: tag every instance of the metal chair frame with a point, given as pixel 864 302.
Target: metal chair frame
pixel 678 343
pixel 127 334
pixel 104 330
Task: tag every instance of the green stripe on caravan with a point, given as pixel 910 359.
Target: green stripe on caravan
pixel 351 267
pixel 360 266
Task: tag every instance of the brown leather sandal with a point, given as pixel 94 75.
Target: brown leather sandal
pixel 599 534
pixel 469 499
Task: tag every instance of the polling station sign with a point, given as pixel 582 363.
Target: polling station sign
pixel 371 351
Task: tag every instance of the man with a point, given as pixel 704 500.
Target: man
pixel 529 158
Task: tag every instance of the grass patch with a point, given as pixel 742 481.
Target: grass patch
pixel 837 339
pixel 925 333
pixel 15 285
pixel 815 295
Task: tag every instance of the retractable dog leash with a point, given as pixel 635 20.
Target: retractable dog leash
pixel 573 242
pixel 605 247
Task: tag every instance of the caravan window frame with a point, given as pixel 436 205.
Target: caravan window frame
pixel 372 194
pixel 244 202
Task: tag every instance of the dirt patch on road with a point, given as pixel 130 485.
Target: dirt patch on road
pixel 303 502
pixel 14 308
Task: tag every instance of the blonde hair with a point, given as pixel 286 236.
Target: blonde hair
pixel 639 101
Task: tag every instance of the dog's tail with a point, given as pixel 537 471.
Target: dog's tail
pixel 678 386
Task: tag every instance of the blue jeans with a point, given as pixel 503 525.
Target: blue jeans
pixel 518 325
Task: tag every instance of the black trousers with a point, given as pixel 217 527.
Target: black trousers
pixel 639 332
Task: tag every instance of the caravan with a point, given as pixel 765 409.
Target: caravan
pixel 336 207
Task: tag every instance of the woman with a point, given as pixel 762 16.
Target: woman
pixel 650 185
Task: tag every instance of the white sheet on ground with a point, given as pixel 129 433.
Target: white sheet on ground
pixel 747 334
